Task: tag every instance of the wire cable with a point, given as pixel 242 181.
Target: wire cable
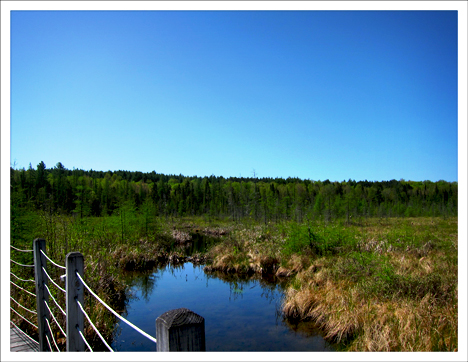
pixel 58 305
pixel 49 259
pixel 24 251
pixel 23 332
pixel 58 286
pixel 48 342
pixel 51 334
pixel 34 295
pixel 28 266
pixel 23 280
pixel 55 320
pixel 84 339
pixel 115 313
pixel 29 310
pixel 24 318
pixel 97 331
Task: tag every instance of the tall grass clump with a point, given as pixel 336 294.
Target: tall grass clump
pixel 387 285
pixel 249 249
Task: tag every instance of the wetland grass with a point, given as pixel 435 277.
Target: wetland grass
pixel 383 285
pixel 393 290
pixel 378 285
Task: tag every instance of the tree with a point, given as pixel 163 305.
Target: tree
pixel 328 192
pixel 82 195
pixel 40 175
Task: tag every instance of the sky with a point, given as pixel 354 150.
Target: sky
pixel 338 95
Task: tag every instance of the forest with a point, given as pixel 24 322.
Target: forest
pixel 83 193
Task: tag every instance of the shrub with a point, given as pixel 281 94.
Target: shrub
pixel 304 239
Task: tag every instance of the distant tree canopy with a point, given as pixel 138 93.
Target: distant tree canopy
pixel 99 193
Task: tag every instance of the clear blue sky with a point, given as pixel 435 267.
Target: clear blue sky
pixel 310 94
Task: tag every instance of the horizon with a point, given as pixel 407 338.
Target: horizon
pixel 228 177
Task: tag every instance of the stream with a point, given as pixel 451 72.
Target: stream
pixel 240 315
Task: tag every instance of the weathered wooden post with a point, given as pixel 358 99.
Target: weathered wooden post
pixel 180 330
pixel 42 293
pixel 75 292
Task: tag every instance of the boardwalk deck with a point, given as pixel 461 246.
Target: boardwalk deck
pixel 19 342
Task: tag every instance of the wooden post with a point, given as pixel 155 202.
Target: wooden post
pixel 75 292
pixel 180 330
pixel 41 293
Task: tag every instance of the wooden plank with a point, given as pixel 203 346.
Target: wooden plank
pixel 20 343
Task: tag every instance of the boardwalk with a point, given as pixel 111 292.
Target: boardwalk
pixel 20 343
pixel 74 294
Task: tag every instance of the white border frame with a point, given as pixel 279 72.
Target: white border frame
pixel 461 6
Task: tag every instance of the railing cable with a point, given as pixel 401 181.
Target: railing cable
pixel 115 313
pixel 51 334
pixel 34 295
pixel 49 259
pixel 90 322
pixel 29 310
pixel 84 339
pixel 48 342
pixel 55 320
pixel 24 251
pixel 23 318
pixel 58 286
pixel 28 266
pixel 58 305
pixel 24 332
pixel 23 280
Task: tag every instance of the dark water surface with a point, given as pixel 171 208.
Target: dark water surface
pixel 239 315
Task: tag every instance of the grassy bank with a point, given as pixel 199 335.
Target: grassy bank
pixel 377 285
pixel 383 285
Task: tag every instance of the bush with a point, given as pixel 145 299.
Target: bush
pixel 304 239
pixel 297 240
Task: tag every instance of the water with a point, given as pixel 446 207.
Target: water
pixel 239 315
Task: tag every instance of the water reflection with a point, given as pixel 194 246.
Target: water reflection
pixel 241 314
pixel 237 283
pixel 198 243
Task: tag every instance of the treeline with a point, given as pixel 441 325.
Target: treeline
pixel 99 193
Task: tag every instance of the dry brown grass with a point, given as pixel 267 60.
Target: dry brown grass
pixel 180 236
pixel 370 324
pixel 365 322
pixel 247 250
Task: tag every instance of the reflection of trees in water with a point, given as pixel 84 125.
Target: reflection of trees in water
pixel 147 284
pixel 179 271
pixel 236 289
pixel 174 270
pixel 199 243
pixel 144 282
pixel 238 283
